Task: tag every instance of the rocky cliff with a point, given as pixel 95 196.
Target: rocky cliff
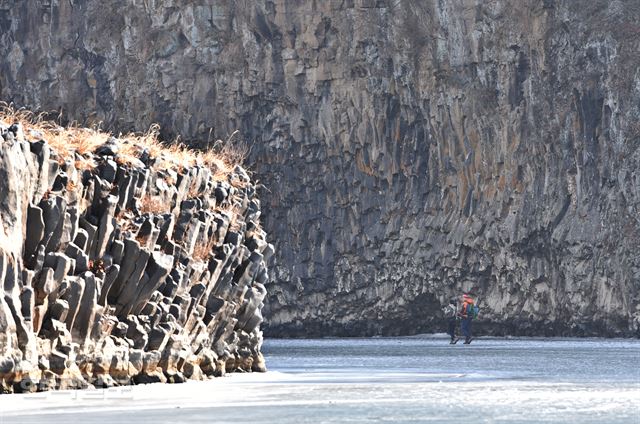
pixel 411 149
pixel 123 261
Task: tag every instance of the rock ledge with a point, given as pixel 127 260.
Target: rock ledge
pixel 123 261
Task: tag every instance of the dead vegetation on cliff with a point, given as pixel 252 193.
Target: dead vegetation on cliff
pixel 131 258
pixel 75 143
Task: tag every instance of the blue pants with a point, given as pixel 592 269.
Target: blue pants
pixel 452 327
pixel 466 327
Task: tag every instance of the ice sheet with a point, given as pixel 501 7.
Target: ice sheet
pixel 379 380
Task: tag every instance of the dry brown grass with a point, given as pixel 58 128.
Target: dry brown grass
pixel 202 251
pixel 194 192
pixel 150 204
pixel 75 144
pixel 223 156
pixel 84 163
pixel 66 141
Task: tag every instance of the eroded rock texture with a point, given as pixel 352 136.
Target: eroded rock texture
pixel 129 272
pixel 413 149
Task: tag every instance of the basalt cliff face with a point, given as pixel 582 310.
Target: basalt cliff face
pixel 411 149
pixel 120 265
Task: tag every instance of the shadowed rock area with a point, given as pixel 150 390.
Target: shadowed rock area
pixel 124 264
pixel 413 149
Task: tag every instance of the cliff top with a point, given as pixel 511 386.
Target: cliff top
pixel 80 144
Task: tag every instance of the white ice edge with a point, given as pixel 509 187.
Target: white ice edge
pixel 250 390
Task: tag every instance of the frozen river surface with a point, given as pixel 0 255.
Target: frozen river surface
pixel 405 380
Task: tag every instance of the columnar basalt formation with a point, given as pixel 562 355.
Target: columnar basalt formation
pixel 413 148
pixel 124 262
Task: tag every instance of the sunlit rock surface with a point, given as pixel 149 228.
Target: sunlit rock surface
pixel 123 268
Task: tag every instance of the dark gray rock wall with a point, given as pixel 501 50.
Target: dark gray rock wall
pixel 411 149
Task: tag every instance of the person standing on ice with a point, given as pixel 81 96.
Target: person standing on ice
pixel 450 313
pixel 466 314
